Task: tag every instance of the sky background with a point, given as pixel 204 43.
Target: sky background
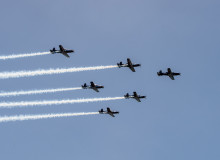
pixel 178 120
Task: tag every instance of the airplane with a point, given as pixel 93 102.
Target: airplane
pixel 93 86
pixel 135 96
pixel 128 64
pixel 111 113
pixel 168 73
pixel 62 51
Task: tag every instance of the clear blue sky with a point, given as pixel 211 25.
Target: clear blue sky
pixel 178 120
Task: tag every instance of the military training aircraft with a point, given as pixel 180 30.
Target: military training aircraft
pixel 93 86
pixel 62 51
pixel 168 73
pixel 111 113
pixel 135 96
pixel 128 64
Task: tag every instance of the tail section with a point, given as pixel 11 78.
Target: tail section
pixel 120 64
pixel 127 95
pixel 84 86
pixel 53 50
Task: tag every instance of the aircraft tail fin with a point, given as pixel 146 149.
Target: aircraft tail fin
pixel 101 111
pixel 127 95
pixel 84 86
pixel 52 50
pixel 160 73
pixel 120 64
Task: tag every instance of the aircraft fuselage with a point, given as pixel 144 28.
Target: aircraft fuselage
pixel 66 51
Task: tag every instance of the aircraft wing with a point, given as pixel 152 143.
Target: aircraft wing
pixel 132 68
pixel 171 77
pixel 95 89
pixel 109 110
pixel 61 48
pixel 129 61
pixel 92 84
pixel 138 99
pixel 65 54
pixel 111 114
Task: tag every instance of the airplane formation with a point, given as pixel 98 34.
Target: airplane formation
pixel 129 65
pixel 92 85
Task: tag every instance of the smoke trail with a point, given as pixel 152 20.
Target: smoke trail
pixel 55 102
pixel 18 93
pixel 23 55
pixel 43 116
pixel 18 74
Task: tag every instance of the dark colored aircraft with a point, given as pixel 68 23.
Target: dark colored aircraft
pixel 168 73
pixel 111 113
pixel 128 64
pixel 62 51
pixel 93 86
pixel 135 96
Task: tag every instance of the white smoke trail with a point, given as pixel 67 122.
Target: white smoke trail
pixel 13 56
pixel 43 116
pixel 55 102
pixel 18 74
pixel 18 93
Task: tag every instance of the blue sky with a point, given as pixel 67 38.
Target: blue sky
pixel 178 120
